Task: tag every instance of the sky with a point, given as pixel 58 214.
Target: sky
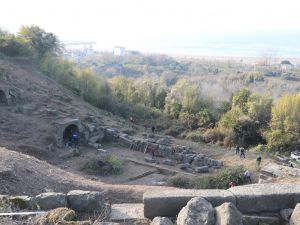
pixel 154 24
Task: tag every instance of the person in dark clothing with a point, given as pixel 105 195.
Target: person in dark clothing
pixel 73 140
pixel 153 129
pixel 258 160
pixel 242 153
pixel 237 150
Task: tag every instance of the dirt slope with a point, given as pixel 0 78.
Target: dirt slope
pixel 23 174
pixel 28 125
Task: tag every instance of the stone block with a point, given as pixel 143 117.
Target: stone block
pixel 168 203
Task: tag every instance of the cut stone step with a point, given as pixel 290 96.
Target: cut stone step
pixel 126 212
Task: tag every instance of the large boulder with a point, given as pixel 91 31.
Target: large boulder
pixel 21 202
pixel 295 218
pixel 227 214
pixel 161 221
pixel 198 211
pixel 85 201
pixel 50 200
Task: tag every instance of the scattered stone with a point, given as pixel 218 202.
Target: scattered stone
pixel 184 166
pixel 105 223
pixel 161 221
pixel 94 145
pixel 149 160
pixel 198 211
pixel 202 169
pixel 286 214
pixel 75 152
pixel 168 162
pixel 163 141
pixel 126 212
pixel 227 214
pixel 85 201
pixel 295 218
pixel 50 200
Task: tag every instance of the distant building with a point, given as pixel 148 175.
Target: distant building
pixel 76 50
pixel 286 65
pixel 119 51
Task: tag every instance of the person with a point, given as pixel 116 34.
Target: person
pixel 73 140
pixel 232 184
pixel 153 129
pixel 258 160
pixel 237 150
pixel 242 153
pixel 131 119
pixel 247 176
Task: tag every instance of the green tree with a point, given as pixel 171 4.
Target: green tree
pixel 40 41
pixel 284 134
pixel 240 99
pixel 246 132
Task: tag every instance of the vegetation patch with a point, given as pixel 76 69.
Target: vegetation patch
pixel 106 165
pixel 221 181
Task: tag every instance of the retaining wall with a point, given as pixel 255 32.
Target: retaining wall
pixel 255 198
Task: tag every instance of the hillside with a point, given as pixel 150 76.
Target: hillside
pixel 37 103
pixel 28 125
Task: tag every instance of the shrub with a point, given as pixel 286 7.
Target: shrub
pixel 116 164
pixel 222 180
pixel 259 148
pixel 214 135
pixel 104 166
pixel 246 132
pixel 175 130
pixel 194 136
pixel 180 181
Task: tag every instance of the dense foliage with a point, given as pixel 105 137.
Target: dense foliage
pixel 169 92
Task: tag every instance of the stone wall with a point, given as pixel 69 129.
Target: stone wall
pixel 255 198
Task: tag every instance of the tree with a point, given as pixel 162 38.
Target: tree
pixel 186 97
pixel 284 134
pixel 9 45
pixel 259 109
pixel 246 132
pixel 240 99
pixel 40 41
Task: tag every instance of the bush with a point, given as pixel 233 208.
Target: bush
pixel 221 181
pixel 194 136
pixel 180 181
pixel 104 166
pixel 246 132
pixel 215 134
pixel 259 148
pixel 175 130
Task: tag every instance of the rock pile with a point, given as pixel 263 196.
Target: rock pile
pixel 199 211
pixel 185 158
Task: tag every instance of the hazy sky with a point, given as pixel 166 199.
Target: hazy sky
pixel 141 24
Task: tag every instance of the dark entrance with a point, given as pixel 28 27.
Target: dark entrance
pixel 3 99
pixel 69 131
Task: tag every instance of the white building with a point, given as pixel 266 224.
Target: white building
pixel 119 51
pixel 286 66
